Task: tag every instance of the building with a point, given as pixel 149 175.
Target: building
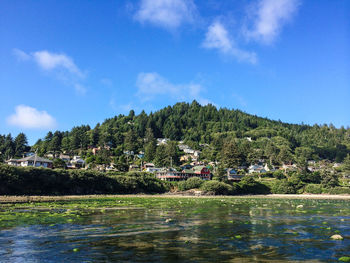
pixel 256 169
pixel 32 160
pixel 173 175
pixel 76 163
pixel 233 175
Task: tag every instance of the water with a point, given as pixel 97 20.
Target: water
pixel 155 229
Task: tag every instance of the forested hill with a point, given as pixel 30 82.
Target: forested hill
pixel 255 137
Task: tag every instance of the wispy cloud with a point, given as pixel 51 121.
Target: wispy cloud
pixel 31 118
pixel 62 66
pixel 217 37
pixel 50 61
pixel 169 14
pixel 21 55
pixel 267 17
pixel 152 85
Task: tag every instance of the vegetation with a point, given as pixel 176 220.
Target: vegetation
pixel 40 181
pixel 217 188
pixel 223 131
pixel 192 183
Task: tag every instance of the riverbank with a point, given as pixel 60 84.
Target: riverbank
pixel 26 199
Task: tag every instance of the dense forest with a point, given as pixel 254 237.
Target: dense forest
pixel 231 137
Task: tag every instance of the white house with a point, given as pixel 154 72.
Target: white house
pixel 33 160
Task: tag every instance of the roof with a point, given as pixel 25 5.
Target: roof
pixel 199 168
pixel 34 158
pixel 188 171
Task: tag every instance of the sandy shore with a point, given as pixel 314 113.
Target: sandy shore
pixel 25 199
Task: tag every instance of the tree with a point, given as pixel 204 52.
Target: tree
pixel 346 164
pixel 285 155
pixel 161 158
pixel 230 155
pixel 150 151
pixel 220 174
pixel 131 141
pixel 329 179
pixel 55 143
pixel 171 153
pixel 302 155
pixel 20 144
pixel 9 147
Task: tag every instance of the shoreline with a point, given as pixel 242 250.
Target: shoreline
pixel 27 199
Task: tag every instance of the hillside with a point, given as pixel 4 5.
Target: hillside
pixel 216 132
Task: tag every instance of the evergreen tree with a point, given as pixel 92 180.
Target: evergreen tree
pixel 20 144
pixel 230 155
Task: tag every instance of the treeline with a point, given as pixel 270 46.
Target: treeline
pixel 41 181
pixel 13 147
pixel 291 183
pixel 253 138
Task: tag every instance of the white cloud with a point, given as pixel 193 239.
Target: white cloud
pixel 169 14
pixel 49 61
pixel 268 17
pixel 61 65
pixel 31 118
pixel 217 37
pixel 152 84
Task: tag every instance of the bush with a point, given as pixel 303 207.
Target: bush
pixel 41 181
pixel 311 178
pixel 279 175
pixel 313 189
pixel 217 188
pixel 337 190
pixel 249 186
pixel 283 187
pixel 329 179
pixel 191 183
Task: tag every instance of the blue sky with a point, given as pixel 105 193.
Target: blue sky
pixel 66 63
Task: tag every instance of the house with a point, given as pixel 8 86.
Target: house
pixel 173 175
pixel 153 169
pixel 233 175
pixel 161 141
pixel 188 151
pixel 76 162
pixel 32 160
pixel 64 157
pixel 12 162
pixel 183 147
pixel 256 168
pixel 170 175
pixel 198 171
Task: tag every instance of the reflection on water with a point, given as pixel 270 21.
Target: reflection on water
pixel 176 230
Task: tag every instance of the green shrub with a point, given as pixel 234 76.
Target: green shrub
pixel 337 190
pixel 191 183
pixel 283 187
pixel 311 177
pixel 41 181
pixel 249 186
pixel 313 189
pixel 279 175
pixel 217 188
pixel 329 179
